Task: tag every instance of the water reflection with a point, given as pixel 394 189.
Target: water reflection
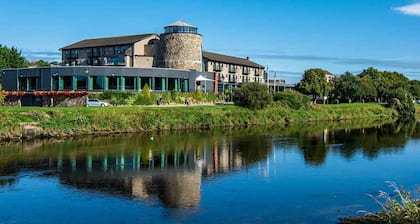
pixel 170 168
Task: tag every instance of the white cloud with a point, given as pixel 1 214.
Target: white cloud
pixel 412 10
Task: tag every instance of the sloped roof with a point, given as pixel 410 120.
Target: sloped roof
pixel 181 23
pixel 107 41
pixel 230 59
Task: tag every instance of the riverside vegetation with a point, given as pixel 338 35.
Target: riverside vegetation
pixel 59 122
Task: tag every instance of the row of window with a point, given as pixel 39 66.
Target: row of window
pixel 217 66
pixel 233 78
pixel 105 83
pixel 97 52
pixel 181 29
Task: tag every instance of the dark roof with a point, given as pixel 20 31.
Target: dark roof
pixel 108 41
pixel 230 60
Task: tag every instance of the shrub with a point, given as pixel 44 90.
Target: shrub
pixel 146 92
pixel 252 95
pixel 198 96
pixel 400 208
pixel 292 99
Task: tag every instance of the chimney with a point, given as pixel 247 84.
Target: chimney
pixel 247 58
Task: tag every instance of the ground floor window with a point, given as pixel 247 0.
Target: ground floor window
pixel 67 82
pixel 159 83
pixel 81 82
pixel 129 83
pixel 112 83
pixel 173 84
pixel 144 81
pixel 98 82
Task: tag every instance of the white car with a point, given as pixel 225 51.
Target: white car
pixel 96 103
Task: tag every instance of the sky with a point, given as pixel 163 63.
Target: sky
pixel 289 36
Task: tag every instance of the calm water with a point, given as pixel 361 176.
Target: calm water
pixel 298 174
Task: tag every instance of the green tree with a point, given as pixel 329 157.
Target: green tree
pixel 402 100
pixel 368 88
pixel 40 63
pixel 252 95
pixel 415 88
pixel 314 83
pixel 348 87
pixel 385 82
pixel 11 58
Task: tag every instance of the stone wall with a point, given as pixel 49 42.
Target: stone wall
pixel 69 101
pixel 180 51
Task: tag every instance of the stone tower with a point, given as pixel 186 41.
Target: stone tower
pixel 180 47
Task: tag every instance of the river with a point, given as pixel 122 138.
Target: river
pixel 313 173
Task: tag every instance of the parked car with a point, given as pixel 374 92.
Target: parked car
pixel 96 103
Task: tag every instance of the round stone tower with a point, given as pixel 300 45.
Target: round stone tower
pixel 180 47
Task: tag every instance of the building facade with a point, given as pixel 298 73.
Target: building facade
pixel 171 60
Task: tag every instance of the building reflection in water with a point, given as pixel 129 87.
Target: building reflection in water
pixel 172 177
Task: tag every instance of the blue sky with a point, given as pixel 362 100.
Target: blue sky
pixel 289 36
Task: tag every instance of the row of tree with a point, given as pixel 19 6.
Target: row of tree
pixel 370 85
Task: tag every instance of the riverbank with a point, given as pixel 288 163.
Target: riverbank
pixel 33 122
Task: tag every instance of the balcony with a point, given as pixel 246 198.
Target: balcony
pixel 217 68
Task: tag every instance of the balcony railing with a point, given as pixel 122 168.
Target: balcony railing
pixel 217 67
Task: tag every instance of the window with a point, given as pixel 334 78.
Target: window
pixel 216 66
pixel 112 82
pixel 67 82
pixel 245 70
pixel 129 83
pixel 232 68
pixel 98 82
pixel 81 82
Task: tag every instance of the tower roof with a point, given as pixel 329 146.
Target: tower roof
pixel 181 23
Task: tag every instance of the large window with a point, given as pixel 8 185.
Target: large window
pixel 98 82
pixel 81 82
pixel 158 83
pixel 67 82
pixel 173 84
pixel 112 83
pixel 144 81
pixel 129 83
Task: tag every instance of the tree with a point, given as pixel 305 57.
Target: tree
pixel 252 95
pixel 348 87
pixel 314 83
pixel 415 88
pixel 11 58
pixel 385 82
pixel 368 89
pixel 402 101
pixel 40 63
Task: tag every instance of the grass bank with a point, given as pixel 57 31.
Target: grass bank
pixel 22 122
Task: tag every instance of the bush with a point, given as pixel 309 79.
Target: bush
pixel 198 96
pixel 292 99
pixel 252 95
